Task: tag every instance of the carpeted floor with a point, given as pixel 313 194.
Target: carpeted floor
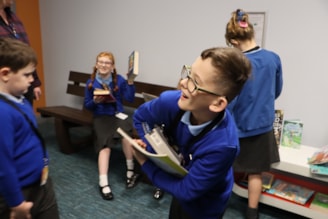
pixel 76 183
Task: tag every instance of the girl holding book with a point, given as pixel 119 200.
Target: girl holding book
pixel 107 118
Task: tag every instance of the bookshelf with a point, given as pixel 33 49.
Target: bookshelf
pixel 293 168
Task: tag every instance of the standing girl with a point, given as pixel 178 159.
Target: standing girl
pixel 254 108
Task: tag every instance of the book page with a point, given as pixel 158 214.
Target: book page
pixel 161 160
pixel 160 145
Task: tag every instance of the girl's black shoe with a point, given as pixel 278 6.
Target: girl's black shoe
pixel 132 181
pixel 105 196
pixel 158 193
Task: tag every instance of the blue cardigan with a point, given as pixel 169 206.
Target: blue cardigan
pixel 205 190
pixel 253 109
pixel 21 152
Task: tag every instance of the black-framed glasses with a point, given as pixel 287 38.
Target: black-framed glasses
pixel 191 83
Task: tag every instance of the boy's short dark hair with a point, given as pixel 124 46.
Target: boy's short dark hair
pixel 233 69
pixel 15 54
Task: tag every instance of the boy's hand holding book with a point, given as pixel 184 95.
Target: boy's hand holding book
pixel 140 157
pixel 167 161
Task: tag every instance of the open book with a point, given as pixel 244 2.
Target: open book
pixel 108 97
pixel 133 67
pixel 162 160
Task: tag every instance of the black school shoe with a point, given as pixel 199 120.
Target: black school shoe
pixel 252 213
pixel 158 193
pixel 132 181
pixel 105 196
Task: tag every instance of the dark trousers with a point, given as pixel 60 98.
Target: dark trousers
pixel 176 211
pixel 44 202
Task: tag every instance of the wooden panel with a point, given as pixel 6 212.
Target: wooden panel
pixel 137 102
pixel 151 88
pixel 28 12
pixel 77 83
pixel 75 90
pixel 77 116
pixel 79 77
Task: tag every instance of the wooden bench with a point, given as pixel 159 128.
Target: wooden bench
pixel 66 117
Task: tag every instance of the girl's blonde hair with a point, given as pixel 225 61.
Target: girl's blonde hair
pixel 239 27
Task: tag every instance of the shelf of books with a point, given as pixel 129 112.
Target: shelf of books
pixel 291 186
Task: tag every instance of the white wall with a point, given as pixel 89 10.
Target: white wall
pixel 171 33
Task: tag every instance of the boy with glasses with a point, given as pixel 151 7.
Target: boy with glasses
pixel 195 119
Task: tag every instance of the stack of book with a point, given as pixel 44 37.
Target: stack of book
pixel 106 94
pixel 319 161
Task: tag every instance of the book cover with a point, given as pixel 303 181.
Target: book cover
pixel 277 124
pixel 108 97
pixel 320 202
pixel 291 192
pixel 133 66
pixel 163 161
pixel 320 156
pixel 291 135
pixel 321 169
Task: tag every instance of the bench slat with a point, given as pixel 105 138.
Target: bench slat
pixel 151 88
pixel 75 90
pixel 78 77
pixel 70 114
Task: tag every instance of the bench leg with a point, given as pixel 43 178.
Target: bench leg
pixel 63 137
